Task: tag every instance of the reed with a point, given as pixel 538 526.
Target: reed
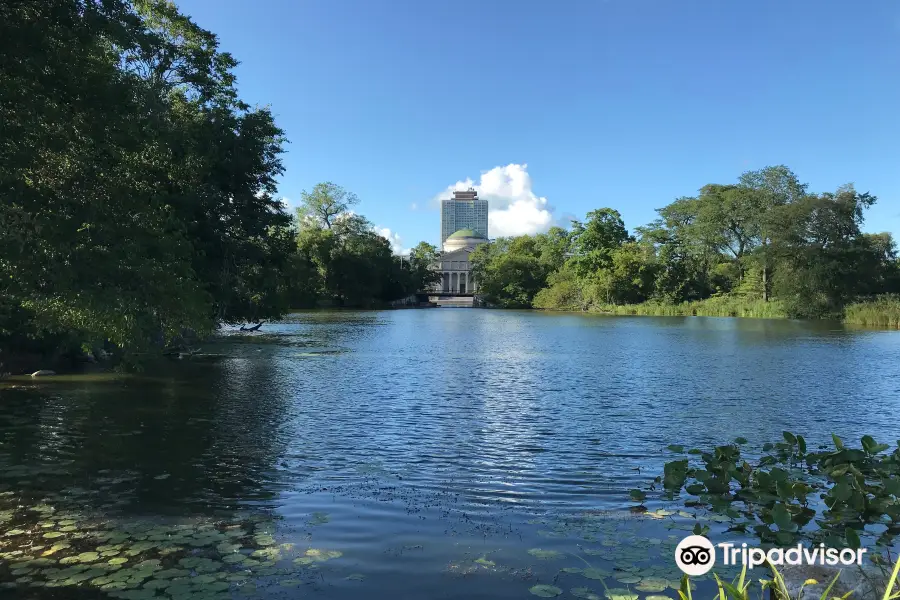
pixel 717 306
pixel 883 311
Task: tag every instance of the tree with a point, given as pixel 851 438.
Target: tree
pixel 772 187
pixel 138 190
pixel 324 204
pixel 823 259
pixel 510 271
pixel 422 259
pixel 593 241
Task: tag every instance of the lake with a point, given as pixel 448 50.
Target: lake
pixel 444 453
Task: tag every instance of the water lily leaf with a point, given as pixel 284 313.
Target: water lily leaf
pixel 88 557
pixel 233 558
pixel 593 573
pixel 267 553
pixel 49 535
pixel 55 548
pixel 545 591
pixel 628 579
pixel 585 593
pixel 157 584
pixel 657 597
pixel 651 584
pixel 545 554
pixel 485 562
pixel 620 594
pixel 574 570
pixel 356 577
pixel 319 518
pixel 119 560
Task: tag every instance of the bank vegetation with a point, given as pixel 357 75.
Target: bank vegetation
pixel 764 246
pixel 138 190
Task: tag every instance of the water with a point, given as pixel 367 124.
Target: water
pixel 427 450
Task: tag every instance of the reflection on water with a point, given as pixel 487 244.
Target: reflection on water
pixel 409 453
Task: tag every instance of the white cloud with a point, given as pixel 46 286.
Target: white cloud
pixel 413 206
pixel 513 209
pixel 392 237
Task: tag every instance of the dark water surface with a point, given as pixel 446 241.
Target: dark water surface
pixel 409 454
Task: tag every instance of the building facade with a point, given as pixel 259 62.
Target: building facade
pixel 464 211
pixel 455 264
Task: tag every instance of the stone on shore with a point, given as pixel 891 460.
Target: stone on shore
pixel 43 373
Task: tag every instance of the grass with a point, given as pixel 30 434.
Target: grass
pixel 883 311
pixel 717 306
pixel 739 589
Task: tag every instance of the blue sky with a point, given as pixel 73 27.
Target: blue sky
pixel 620 103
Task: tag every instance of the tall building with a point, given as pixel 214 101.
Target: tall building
pixel 464 226
pixel 464 211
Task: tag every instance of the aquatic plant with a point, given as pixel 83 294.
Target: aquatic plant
pixel 883 311
pixel 775 496
pixel 46 547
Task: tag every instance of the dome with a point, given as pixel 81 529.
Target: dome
pixel 464 238
pixel 463 233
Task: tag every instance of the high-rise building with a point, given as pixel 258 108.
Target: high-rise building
pixel 464 211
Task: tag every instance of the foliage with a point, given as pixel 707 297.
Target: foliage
pixel 341 261
pixel 137 187
pixel 511 271
pixel 762 247
pixel 882 311
pixel 775 497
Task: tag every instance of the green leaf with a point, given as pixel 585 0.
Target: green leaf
pixel 789 437
pixel 837 442
pixel 740 440
pixel 675 448
pixel 853 540
pixel 638 495
pixel 782 517
pixel 801 444
pixel 545 591
pixel 675 474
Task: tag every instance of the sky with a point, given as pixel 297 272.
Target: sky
pixel 553 109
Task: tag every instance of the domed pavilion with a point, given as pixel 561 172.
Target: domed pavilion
pixel 454 264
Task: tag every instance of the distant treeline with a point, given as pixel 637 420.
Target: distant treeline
pixel 764 246
pixel 138 190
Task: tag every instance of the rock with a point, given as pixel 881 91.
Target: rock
pixel 852 579
pixel 43 373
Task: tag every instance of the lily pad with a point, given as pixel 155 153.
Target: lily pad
pixel 87 557
pixel 233 559
pixel 585 593
pixel 119 560
pixel 572 570
pixel 356 577
pixel 545 554
pixel 485 562
pixel 628 579
pixel 316 555
pixel 651 584
pixel 620 594
pixel 545 591
pixel 594 573
pixel 319 518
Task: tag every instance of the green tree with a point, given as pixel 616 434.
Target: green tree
pixel 325 203
pixel 823 259
pixel 423 275
pixel 772 188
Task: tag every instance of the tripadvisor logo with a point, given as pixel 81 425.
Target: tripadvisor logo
pixel 695 555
